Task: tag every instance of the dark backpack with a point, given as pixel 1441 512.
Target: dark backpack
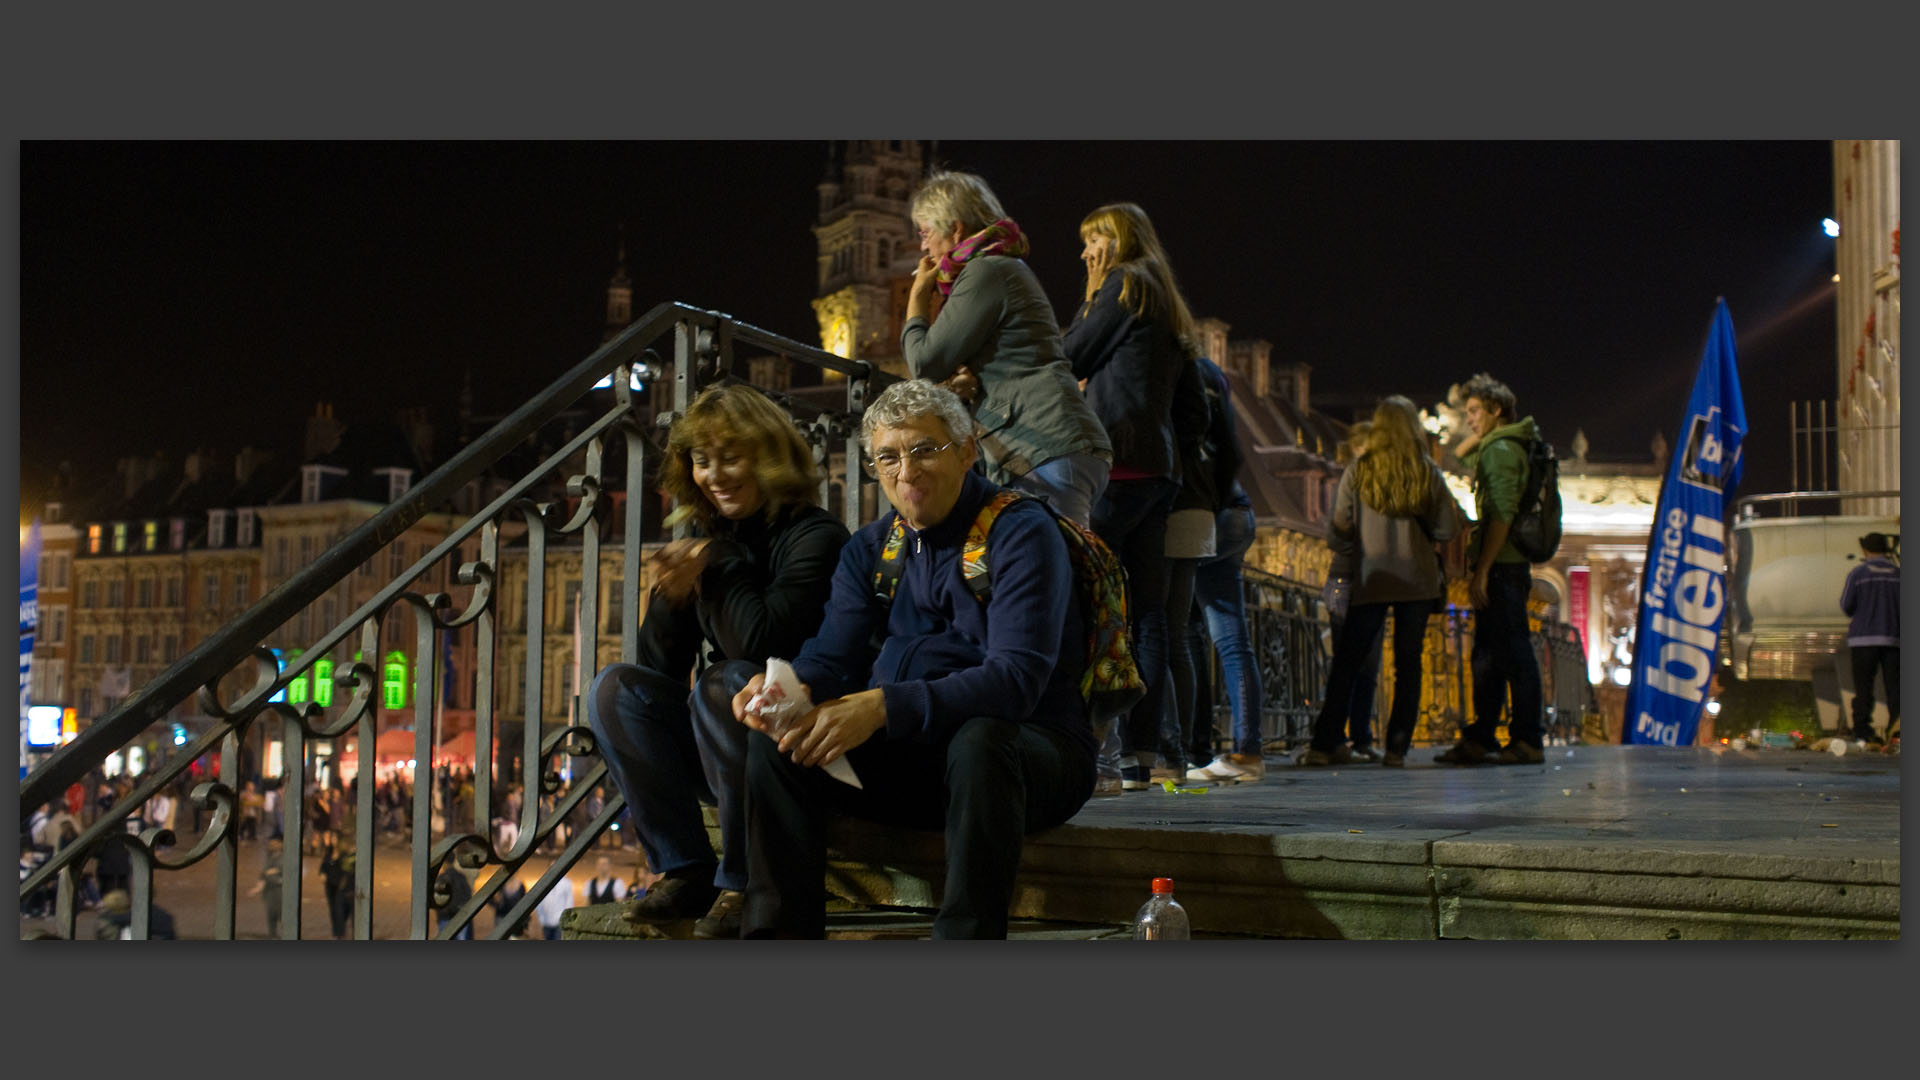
pixel 1111 683
pixel 1535 532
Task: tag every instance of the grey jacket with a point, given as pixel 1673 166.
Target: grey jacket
pixel 1391 558
pixel 998 323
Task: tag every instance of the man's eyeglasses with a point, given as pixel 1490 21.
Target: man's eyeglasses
pixel 887 463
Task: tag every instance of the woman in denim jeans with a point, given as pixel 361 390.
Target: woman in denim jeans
pixel 1130 343
pixel 1219 607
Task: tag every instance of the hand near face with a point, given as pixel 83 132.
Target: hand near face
pixel 964 384
pixel 1098 255
pixel 926 276
pixel 832 729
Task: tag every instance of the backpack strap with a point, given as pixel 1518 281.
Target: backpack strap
pixel 973 555
pixel 892 564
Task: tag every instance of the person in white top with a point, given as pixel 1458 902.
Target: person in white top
pixel 558 899
pixel 605 886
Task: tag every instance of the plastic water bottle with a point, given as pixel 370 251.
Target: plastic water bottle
pixel 1161 918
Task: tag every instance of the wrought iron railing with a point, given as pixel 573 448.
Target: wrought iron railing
pixel 1293 647
pixel 564 497
pixel 703 346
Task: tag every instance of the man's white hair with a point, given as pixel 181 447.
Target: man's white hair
pixel 904 402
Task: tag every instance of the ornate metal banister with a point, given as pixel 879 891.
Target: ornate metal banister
pixel 704 344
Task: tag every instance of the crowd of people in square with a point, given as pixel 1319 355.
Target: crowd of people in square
pixel 946 654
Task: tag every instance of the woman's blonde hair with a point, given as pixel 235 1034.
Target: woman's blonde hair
pixel 1393 475
pixel 783 463
pixel 947 197
pixel 1147 285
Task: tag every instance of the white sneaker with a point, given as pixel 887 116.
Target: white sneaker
pixel 1218 771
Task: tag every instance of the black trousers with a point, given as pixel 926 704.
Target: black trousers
pixel 986 786
pixel 1868 659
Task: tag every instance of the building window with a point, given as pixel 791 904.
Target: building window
pixel 211 598
pixel 393 683
pixel 323 682
pixel 143 649
pixel 55 626
pixel 398 481
pixel 57 570
pixel 116 594
pixel 280 555
pixel 119 537
pixel 245 529
pixel 169 648
pixel 241 587
pixel 216 528
pixel 297 689
pixel 86 702
pixel 613 604
pixel 89 595
pixel 86 648
pixel 49 682
pixel 177 534
pixel 173 591
pixel 571 606
pixel 306 551
pixel 150 535
pixel 329 612
pixel 113 648
pixel 396 558
pixel 143 593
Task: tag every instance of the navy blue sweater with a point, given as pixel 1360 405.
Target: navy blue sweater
pixel 1872 597
pixel 942 657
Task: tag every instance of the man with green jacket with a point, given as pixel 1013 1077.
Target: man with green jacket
pixel 1503 657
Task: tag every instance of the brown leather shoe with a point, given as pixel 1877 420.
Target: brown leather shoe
pixel 722 920
pixel 1519 753
pixel 1339 755
pixel 1464 753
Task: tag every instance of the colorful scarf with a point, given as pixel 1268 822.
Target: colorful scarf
pixel 1003 237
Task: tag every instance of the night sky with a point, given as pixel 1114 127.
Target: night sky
pixel 183 294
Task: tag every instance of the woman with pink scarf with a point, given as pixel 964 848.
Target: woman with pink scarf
pixel 996 327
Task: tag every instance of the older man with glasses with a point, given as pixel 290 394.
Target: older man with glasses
pixel 955 715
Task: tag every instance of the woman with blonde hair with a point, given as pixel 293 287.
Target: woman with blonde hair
pixel 751 583
pixel 996 329
pixel 1391 510
pixel 1133 343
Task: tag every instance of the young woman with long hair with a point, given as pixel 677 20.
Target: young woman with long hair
pixel 1133 344
pixel 1390 512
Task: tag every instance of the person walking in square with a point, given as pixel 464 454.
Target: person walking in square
pixel 1871 598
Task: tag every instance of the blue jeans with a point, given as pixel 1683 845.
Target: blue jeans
pixel 668 753
pixel 1218 595
pixel 1503 660
pixel 1071 484
pixel 1131 517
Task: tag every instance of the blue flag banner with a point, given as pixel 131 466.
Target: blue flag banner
pixel 1683 587
pixel 29 624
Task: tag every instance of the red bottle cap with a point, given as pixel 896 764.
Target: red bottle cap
pixel 1162 885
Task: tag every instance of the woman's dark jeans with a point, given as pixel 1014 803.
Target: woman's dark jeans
pixel 1357 638
pixel 1131 517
